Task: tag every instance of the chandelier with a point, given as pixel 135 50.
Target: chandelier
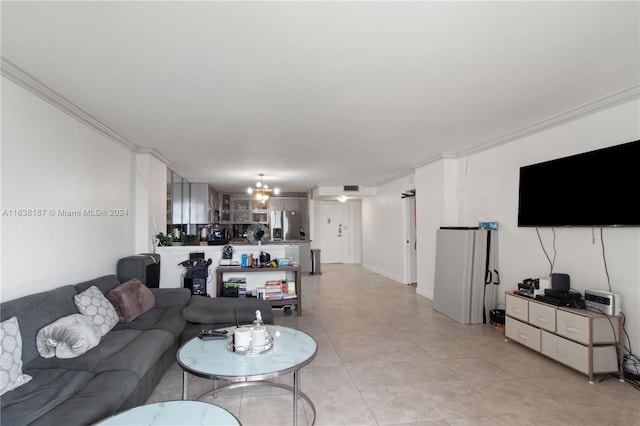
pixel 262 191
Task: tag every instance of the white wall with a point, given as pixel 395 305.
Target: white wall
pixel 150 198
pixel 484 186
pixel 51 161
pixel 384 230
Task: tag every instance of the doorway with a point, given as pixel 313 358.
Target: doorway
pixel 330 224
pixel 411 254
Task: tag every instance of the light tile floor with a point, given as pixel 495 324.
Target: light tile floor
pixel 386 357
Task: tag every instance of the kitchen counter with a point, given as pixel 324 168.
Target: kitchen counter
pixel 244 241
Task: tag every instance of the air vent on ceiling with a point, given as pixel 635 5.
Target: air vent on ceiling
pixel 351 188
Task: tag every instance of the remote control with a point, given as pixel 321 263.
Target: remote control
pixel 207 336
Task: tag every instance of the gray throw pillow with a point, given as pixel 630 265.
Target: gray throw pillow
pixel 67 337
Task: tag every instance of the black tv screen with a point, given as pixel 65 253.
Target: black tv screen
pixel 596 188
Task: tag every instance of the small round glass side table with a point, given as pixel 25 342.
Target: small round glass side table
pixel 211 359
pixel 173 413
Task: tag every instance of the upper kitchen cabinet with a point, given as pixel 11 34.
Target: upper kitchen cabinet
pixel 179 212
pixel 248 210
pixel 288 204
pixel 225 208
pixel 241 204
pixel 200 205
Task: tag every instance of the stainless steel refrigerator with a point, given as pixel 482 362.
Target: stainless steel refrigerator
pixel 290 222
pixel 466 276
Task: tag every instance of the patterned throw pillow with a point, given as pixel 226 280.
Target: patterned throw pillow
pixel 94 305
pixel 11 375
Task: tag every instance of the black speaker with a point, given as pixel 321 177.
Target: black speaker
pixel 560 282
pixel 145 267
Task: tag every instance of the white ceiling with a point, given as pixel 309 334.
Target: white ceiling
pixel 322 93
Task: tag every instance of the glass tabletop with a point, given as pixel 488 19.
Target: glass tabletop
pixel 292 349
pixel 173 413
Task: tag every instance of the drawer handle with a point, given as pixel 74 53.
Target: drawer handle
pixel 541 319
pixel 572 329
pixel 522 336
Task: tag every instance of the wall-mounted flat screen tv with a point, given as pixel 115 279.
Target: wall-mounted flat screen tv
pixel 596 188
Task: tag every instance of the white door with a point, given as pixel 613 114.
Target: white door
pixel 412 249
pixel 330 221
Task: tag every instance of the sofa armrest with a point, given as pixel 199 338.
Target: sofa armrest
pixel 171 296
pixel 226 310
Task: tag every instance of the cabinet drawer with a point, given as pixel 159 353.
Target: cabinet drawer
pixel 522 333
pixel 573 326
pixel 517 308
pixel 565 351
pixel 542 316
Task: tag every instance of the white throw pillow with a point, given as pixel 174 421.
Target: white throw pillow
pixel 11 375
pixel 67 337
pixel 94 305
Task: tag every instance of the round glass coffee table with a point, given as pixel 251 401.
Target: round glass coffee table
pixel 173 413
pixel 211 359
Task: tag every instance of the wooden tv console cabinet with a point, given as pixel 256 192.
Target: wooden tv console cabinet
pixel 587 341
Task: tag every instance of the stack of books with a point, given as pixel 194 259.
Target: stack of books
pixel 273 290
pixel 238 282
pixel 289 290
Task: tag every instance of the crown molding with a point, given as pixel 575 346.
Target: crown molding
pixel 157 155
pixel 616 98
pixel 28 82
pixel 433 159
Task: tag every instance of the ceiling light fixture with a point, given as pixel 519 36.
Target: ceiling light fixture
pixel 262 190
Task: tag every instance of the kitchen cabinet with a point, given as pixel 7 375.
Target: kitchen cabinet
pixel 248 210
pixel 225 208
pixel 199 206
pixel 241 210
pixel 241 204
pixel 241 217
pixel 586 341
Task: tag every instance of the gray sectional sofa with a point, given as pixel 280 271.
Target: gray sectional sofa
pixel 123 369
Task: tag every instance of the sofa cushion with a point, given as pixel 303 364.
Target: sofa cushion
pixel 169 319
pixel 67 337
pixel 47 389
pixel 131 299
pixel 36 311
pixel 94 305
pixel 110 344
pixel 140 354
pixel 208 310
pixel 100 397
pixel 171 296
pixel 11 375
